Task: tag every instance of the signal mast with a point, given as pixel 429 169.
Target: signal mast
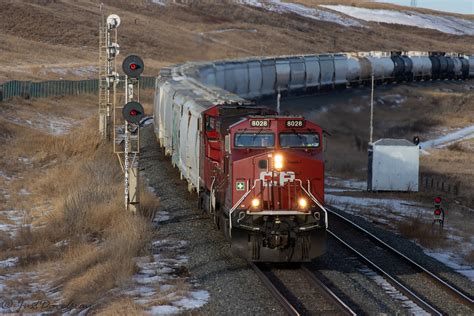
pixel 132 112
pixel 108 77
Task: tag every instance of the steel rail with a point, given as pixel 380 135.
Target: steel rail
pixel 287 306
pixel 330 295
pixel 399 286
pixel 454 290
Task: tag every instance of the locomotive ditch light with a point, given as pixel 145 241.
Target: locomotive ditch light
pixel 133 66
pixel 255 203
pixel 133 112
pixel 278 161
pixel 303 203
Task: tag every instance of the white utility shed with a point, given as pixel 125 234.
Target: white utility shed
pixel 393 165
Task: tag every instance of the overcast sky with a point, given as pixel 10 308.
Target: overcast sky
pixel 458 6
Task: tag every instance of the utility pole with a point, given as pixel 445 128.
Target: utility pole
pixel 414 3
pixel 372 111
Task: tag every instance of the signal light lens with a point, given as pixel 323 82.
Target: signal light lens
pixel 255 203
pixel 437 212
pixel 303 203
pixel 133 66
pixel 278 161
pixel 437 200
pixel 133 112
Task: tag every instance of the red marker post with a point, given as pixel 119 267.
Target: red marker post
pixel 438 214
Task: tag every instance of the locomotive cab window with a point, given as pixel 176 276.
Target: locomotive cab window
pixel 299 140
pixel 254 140
pixel 210 123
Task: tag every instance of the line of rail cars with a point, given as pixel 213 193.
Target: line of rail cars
pixel 259 175
pixel 260 77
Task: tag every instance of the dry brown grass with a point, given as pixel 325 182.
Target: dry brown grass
pixel 470 257
pixel 67 37
pixel 422 231
pixel 122 307
pixel 75 207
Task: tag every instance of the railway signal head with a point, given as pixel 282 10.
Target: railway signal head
pixel 133 112
pixel 113 21
pixel 133 66
pixel 437 201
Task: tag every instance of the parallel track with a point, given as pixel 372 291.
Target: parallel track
pixel 449 288
pixel 287 306
pixel 329 295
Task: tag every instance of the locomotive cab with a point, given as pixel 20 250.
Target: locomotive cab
pixel 274 201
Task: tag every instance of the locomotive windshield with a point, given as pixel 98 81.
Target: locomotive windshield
pixel 254 140
pixel 310 140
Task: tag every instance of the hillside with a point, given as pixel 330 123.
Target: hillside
pixel 58 39
pixel 66 241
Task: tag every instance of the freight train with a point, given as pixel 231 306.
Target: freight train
pixel 258 174
pixel 254 78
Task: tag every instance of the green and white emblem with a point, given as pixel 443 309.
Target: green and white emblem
pixel 240 185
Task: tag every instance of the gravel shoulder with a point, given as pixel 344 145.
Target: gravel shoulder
pixel 233 286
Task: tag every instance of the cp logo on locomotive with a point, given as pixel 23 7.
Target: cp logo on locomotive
pixel 276 178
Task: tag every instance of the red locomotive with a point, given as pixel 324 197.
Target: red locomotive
pixel 259 175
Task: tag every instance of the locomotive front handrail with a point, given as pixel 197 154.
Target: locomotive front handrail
pixel 238 203
pixel 314 199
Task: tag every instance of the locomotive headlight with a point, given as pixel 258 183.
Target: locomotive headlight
pixel 278 161
pixel 303 203
pixel 255 203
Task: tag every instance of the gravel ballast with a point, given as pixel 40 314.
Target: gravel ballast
pixel 233 286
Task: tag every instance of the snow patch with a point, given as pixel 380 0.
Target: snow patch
pixel 390 211
pixel 446 140
pixel 162 284
pixel 155 281
pixel 301 10
pixel 231 30
pixel 85 71
pixel 8 263
pixel 445 24
pixel 393 100
pixel 52 125
pixel 453 261
pixel 408 304
pixel 160 2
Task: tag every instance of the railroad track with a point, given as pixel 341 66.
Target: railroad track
pixel 339 306
pixel 366 249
